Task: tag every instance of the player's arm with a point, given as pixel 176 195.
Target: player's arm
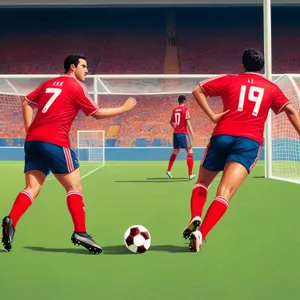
pixel 172 121
pixel 172 124
pixel 293 116
pixel 189 124
pixel 103 113
pixel 190 128
pixel 200 97
pixel 27 111
pixel 30 102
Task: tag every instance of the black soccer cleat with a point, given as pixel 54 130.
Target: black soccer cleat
pixel 85 240
pixel 8 232
pixel 192 226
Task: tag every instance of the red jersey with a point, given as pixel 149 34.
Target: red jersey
pixel 248 97
pixel 59 101
pixel 179 116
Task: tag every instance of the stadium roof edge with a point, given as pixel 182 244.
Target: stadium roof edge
pixel 140 3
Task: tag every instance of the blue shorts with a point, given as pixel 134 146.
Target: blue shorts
pixel 181 140
pixel 46 157
pixel 225 148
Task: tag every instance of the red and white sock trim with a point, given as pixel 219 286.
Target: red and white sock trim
pixel 27 194
pixel 74 193
pixel 222 200
pixel 200 185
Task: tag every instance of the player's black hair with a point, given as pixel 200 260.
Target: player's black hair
pixel 72 59
pixel 181 99
pixel 253 60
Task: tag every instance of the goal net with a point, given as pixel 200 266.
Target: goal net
pixel 284 158
pixel 91 146
pixel 146 125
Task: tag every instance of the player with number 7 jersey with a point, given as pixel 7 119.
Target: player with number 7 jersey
pixel 47 146
pixel 236 141
pixel 59 101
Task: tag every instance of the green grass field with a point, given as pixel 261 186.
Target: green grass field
pixel 253 253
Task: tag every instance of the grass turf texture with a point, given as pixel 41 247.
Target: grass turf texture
pixel 253 253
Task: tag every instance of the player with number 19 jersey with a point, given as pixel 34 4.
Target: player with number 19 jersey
pixel 59 101
pixel 248 97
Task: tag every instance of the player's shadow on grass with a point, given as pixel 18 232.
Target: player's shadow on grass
pixel 59 250
pixel 158 180
pixel 2 250
pixel 258 177
pixel 122 250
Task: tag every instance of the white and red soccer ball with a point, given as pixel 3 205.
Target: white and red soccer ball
pixel 137 239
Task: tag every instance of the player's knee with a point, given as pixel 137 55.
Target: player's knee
pixel 74 187
pixel 225 191
pixel 33 190
pixel 176 151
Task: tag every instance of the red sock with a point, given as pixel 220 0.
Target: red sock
pixel 213 215
pixel 171 161
pixel 77 210
pixel 21 204
pixel 190 163
pixel 198 199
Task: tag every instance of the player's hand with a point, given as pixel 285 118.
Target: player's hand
pixel 217 117
pixel 129 104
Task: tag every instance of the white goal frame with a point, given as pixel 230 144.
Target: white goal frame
pixel 89 148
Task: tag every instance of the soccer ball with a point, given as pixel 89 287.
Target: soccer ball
pixel 137 239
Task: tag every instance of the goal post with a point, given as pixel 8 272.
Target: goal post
pixel 283 161
pixel 91 146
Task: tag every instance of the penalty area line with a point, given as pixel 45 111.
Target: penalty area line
pixel 85 175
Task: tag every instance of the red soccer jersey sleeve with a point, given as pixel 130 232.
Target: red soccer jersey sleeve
pixel 279 101
pixel 216 86
pixel 84 101
pixel 34 97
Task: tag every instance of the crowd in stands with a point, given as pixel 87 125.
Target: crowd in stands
pixel 134 42
pixel 149 120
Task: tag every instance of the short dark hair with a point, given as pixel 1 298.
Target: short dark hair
pixel 72 59
pixel 253 60
pixel 181 99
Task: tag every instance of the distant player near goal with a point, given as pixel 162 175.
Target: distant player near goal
pixel 47 146
pixel 181 124
pixel 236 140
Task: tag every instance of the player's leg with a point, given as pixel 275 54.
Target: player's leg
pixel 34 182
pixel 233 176
pixel 190 158
pixel 36 171
pixel 213 161
pixel 176 149
pixel 198 199
pixel 66 170
pixel 210 166
pixel 239 164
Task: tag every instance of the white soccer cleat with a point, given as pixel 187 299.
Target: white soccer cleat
pixel 192 176
pixel 196 241
pixel 169 174
pixel 192 226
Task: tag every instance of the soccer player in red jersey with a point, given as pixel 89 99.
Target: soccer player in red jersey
pixel 47 146
pixel 236 140
pixel 181 123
